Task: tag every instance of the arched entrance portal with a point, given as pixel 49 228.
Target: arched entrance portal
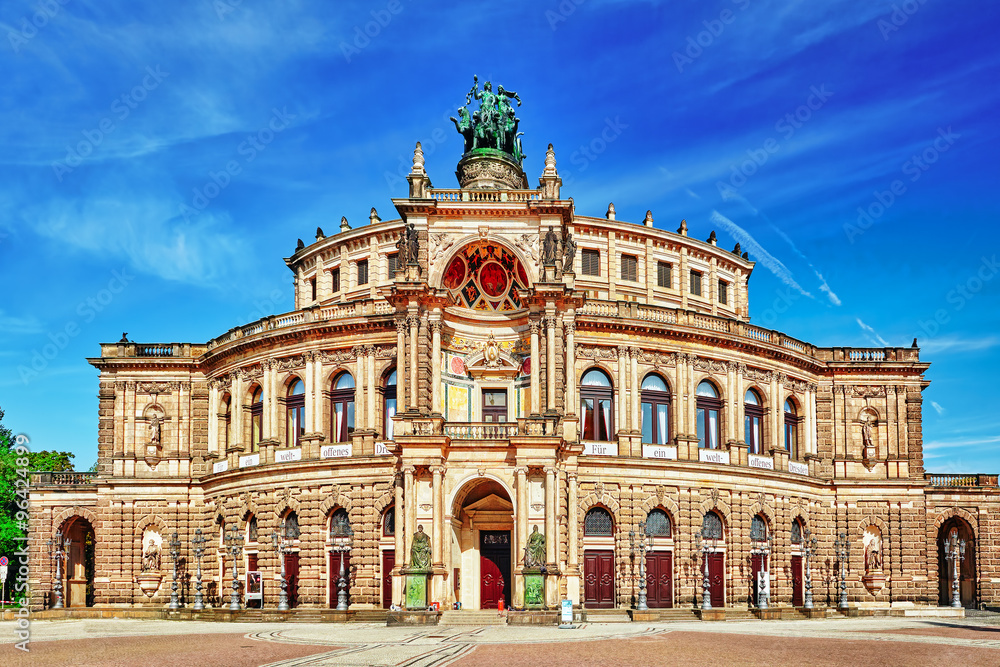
pixel 78 585
pixel 483 545
pixel 967 571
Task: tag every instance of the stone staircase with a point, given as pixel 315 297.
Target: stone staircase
pixel 739 614
pixel 608 616
pixel 472 617
pixel 370 616
pixel 307 616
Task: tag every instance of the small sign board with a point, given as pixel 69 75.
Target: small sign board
pixel 600 448
pixel 249 460
pixel 762 462
pixel 254 589
pixel 288 455
pixel 381 449
pixel 798 468
pixel 666 452
pixel 335 451
pixel 220 466
pixel 566 608
pixel 713 456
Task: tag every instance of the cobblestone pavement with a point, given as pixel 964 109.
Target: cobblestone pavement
pixel 878 641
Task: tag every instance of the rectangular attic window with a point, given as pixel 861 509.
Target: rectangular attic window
pixel 363 272
pixel 723 292
pixel 663 277
pixel 335 279
pixel 630 266
pixel 696 283
pixel 591 262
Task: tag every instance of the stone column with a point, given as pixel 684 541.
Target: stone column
pixel 536 369
pixel 738 407
pixel 270 402
pixel 521 525
pixel 551 510
pixel 437 498
pixel 400 519
pixel 237 420
pixel 636 387
pixel 309 399
pixel 410 504
pixel 573 521
pixel 775 411
pixel 550 361
pixel 360 395
pixel 400 364
pixel 436 326
pixel 372 389
pixel 213 416
pixel 317 397
pixel 414 321
pixel 680 413
pixel 621 391
pixel 569 326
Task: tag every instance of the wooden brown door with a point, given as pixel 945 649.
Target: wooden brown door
pixel 797 598
pixel 292 578
pixel 717 579
pixel 756 567
pixel 659 579
pixel 335 557
pixel 494 568
pixel 599 579
pixel 388 562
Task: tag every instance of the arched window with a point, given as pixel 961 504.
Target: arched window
pixel 221 523
pixel 295 408
pixel 709 405
pixel 290 526
pixel 797 531
pixel 389 522
pixel 791 429
pixel 758 529
pixel 252 529
pixel 711 526
pixel 655 410
pixel 340 524
pixel 598 523
pixel 256 418
pixel 658 523
pixel 596 406
pixel 342 408
pixel 753 420
pixel 389 401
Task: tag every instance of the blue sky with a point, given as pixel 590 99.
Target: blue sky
pixel 776 123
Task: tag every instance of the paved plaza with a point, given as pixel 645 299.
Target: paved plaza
pixel 879 641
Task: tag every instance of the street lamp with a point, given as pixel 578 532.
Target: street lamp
pixel 175 551
pixel 762 547
pixel 704 537
pixel 643 547
pixel 57 550
pixel 843 548
pixel 342 545
pixel 955 553
pixel 235 544
pixel 198 541
pixel 809 545
pixel 279 549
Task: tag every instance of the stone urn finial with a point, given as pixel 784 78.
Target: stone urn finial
pixel 611 211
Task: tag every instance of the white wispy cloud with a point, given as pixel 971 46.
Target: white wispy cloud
pixel 971 443
pixel 24 324
pixel 957 343
pixel 758 252
pixel 937 407
pixel 872 334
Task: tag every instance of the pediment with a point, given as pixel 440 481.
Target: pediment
pixel 491 503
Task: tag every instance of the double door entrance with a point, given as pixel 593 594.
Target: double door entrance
pixel 494 568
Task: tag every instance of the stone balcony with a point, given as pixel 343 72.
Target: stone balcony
pixel 971 481
pixel 63 479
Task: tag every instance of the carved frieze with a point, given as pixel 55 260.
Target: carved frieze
pixel 867 391
pixel 157 387
pixel 709 365
pixel 594 352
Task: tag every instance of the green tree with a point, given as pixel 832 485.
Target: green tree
pixel 12 527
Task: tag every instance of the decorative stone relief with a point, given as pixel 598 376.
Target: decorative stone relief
pixel 874 578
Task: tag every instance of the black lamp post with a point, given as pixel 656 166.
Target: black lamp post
pixel 199 549
pixel 175 552
pixel 279 549
pixel 809 545
pixel 57 550
pixel 843 547
pixel 342 545
pixel 235 545
pixel 704 537
pixel 955 553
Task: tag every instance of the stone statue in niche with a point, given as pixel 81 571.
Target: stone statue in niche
pixel 151 557
pixel 569 253
pixel 534 551
pixel 550 247
pixel 420 550
pixel 154 430
pixel 873 556
pixel 866 430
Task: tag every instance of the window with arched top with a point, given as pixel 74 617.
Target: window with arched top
pixel 655 410
pixel 792 421
pixel 658 523
pixel 290 526
pixel 295 409
pixel 340 524
pixel 596 406
pixel 708 407
pixel 598 523
pixel 389 404
pixel 753 422
pixel 225 421
pixel 342 408
pixel 711 526
pixel 797 531
pixel 758 529
pixel 256 418
pixel 389 522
